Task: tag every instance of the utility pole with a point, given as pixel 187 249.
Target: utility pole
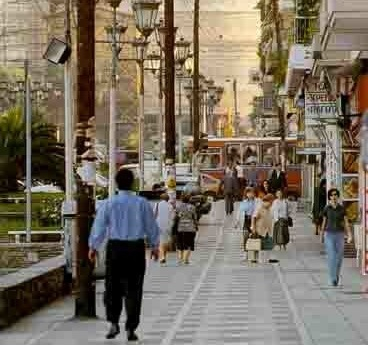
pixel 276 18
pixel 235 118
pixel 85 294
pixel 196 91
pixel 170 131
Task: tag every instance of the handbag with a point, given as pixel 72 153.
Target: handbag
pixel 267 242
pixel 289 219
pixel 253 244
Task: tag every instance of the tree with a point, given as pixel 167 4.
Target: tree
pixel 47 152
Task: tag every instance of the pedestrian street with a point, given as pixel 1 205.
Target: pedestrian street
pixel 220 299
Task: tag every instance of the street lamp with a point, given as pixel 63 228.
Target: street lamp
pixel 160 33
pixel 140 45
pixel 189 64
pixel 145 14
pixel 181 51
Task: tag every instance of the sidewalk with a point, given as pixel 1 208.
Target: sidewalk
pixel 219 299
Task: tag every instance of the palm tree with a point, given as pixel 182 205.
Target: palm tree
pixel 47 152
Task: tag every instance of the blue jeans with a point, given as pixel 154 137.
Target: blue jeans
pixel 334 244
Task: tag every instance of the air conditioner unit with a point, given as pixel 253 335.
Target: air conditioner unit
pixel 316 47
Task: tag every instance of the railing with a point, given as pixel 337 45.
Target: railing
pixel 304 30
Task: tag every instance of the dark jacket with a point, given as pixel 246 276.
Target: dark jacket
pixel 230 184
pixel 279 182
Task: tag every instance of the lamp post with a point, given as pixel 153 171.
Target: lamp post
pixel 140 45
pixel 145 13
pixel 114 33
pixel 181 55
pixel 156 68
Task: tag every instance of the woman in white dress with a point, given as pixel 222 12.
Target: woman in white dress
pixel 165 215
pixel 281 215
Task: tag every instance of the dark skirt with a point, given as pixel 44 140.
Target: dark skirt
pixel 185 240
pixel 281 234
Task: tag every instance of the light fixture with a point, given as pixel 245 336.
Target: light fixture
pixel 120 30
pixel 57 52
pixel 181 51
pixel 140 45
pixel 154 60
pixel 145 13
pixel 212 89
pixel 188 91
pixel 160 33
pixel 189 64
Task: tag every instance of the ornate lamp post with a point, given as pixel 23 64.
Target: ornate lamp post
pixel 181 55
pixel 140 46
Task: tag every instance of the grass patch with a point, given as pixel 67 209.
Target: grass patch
pixel 14 223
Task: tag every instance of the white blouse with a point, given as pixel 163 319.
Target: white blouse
pixel 280 209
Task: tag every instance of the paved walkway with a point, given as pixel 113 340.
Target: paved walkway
pixel 219 299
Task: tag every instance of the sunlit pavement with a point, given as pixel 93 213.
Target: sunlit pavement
pixel 220 299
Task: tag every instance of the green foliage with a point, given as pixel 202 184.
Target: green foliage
pixel 47 152
pixel 49 213
pixel 308 8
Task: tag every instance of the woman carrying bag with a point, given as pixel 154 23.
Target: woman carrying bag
pixel 282 220
pixel 262 226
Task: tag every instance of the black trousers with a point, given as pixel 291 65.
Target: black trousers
pixel 125 269
pixel 229 203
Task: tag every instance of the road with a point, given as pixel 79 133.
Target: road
pixel 219 299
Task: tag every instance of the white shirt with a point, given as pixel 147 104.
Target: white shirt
pixel 165 215
pixel 240 171
pixel 280 209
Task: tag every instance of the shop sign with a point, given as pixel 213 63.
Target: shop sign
pixel 319 105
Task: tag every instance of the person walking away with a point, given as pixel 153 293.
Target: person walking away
pixel 240 180
pixel 278 179
pixel 229 186
pixel 252 176
pixel 126 220
pixel 262 226
pixel 246 210
pixel 334 225
pixel 187 228
pixel 165 215
pixel 281 219
pixel 319 204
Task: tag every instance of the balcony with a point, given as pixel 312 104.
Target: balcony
pixel 344 25
pixel 304 29
pixel 300 60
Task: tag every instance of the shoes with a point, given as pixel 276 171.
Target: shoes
pixel 186 262
pixel 113 332
pixel 163 261
pixel 131 336
pixel 335 283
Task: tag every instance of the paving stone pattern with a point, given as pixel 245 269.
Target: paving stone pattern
pixel 220 299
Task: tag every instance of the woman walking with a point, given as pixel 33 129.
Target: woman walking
pixel 165 215
pixel 319 204
pixel 281 218
pixel 186 229
pixel 334 225
pixel 246 210
pixel 264 189
pixel 262 226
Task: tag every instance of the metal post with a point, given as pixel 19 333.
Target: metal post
pixel 141 125
pixel 180 123
pixel 170 99
pixel 85 294
pixel 161 119
pixel 28 151
pixel 196 90
pixel 235 118
pixel 112 131
pixel 69 208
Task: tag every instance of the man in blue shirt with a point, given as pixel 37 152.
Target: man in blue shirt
pixel 126 220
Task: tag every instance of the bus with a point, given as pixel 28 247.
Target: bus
pixel 264 152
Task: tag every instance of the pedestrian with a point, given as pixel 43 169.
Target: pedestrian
pixel 246 210
pixel 281 219
pixel 187 228
pixel 240 180
pixel 264 189
pixel 262 226
pixel 334 225
pixel 278 179
pixel 319 204
pixel 126 220
pixel 230 190
pixel 252 175
pixel 165 214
